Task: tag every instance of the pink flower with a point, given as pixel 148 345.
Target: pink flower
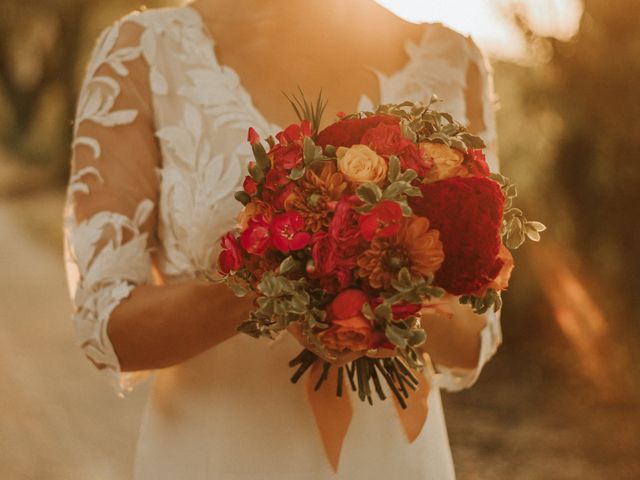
pixel 383 220
pixel 287 234
pixel 252 136
pixel 256 238
pixel 230 259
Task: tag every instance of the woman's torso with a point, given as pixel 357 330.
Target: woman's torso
pixel 231 412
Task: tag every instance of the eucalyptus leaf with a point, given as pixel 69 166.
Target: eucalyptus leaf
pixel 394 168
pixel 297 173
pixel 289 264
pixel 369 192
pixel 397 336
pixel 242 197
pixel 309 150
pixel 260 154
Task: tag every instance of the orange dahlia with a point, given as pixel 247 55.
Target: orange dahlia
pixel 319 193
pixel 415 246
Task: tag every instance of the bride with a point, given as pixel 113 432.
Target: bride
pixel 160 148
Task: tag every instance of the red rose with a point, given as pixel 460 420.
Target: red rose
pixel 230 259
pixel 411 157
pixel 388 140
pixel 383 220
pixel 385 139
pixel 250 186
pixel 346 133
pixel 344 227
pixel 477 163
pixel 323 253
pixel 256 238
pixel 468 213
pixel 287 232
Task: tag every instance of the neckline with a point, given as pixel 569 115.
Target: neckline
pixel 409 45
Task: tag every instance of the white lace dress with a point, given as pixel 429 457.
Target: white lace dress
pixel 160 148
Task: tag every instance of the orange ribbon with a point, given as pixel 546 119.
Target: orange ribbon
pixel 333 414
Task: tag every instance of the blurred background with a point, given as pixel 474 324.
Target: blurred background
pixel 561 400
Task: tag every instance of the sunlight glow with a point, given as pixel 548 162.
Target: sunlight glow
pixel 580 319
pixel 488 21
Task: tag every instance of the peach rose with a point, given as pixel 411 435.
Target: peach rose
pixel 447 161
pixel 359 164
pixel 354 334
pixel 501 282
pixel 349 330
pixel 255 207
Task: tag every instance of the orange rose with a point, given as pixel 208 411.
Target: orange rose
pixel 354 334
pixel 447 161
pixel 359 164
pixel 252 209
pixel 349 330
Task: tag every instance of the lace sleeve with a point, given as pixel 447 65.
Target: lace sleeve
pixel 480 110
pixel 109 217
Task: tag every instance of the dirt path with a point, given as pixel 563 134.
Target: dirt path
pixel 58 419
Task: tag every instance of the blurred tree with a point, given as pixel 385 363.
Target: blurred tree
pixel 41 46
pixel 593 81
pixel 582 102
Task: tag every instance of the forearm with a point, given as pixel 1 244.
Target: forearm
pixel 161 326
pixel 454 342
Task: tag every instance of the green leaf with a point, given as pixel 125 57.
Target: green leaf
pixel 417 337
pixel 473 141
pixel 297 173
pixel 242 197
pixel 289 264
pixel 532 234
pixel 309 150
pixel 239 290
pixel 394 168
pixel 330 151
pixel 383 311
pixel 368 312
pixel 369 192
pixel 399 188
pixel 397 336
pixel 407 132
pixel 406 209
pixel 260 154
pixel 408 176
pixel 537 226
pixel 257 173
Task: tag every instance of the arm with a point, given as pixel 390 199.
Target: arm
pixel 460 345
pixel 123 322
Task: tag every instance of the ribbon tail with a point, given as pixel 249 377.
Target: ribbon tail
pixel 414 417
pixel 332 413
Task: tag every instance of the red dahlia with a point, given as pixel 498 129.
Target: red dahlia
pixel 468 214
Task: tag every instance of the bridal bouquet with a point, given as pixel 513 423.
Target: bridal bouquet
pixel 348 232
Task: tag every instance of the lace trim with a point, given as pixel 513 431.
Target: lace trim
pixel 100 280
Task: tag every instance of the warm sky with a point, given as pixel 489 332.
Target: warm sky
pixel 485 20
